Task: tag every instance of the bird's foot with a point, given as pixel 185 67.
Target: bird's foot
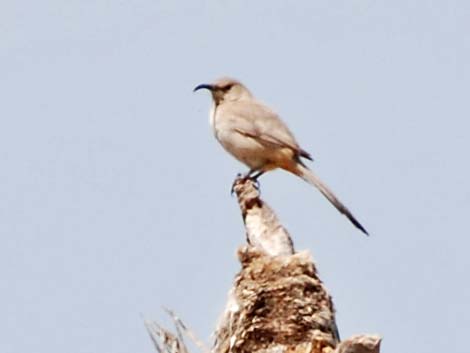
pixel 237 178
pixel 253 175
pixel 244 177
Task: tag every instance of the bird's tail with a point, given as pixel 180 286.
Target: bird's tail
pixel 307 175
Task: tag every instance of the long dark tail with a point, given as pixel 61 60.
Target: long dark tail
pixel 307 175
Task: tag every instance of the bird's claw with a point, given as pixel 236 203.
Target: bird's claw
pixel 232 189
pixel 244 177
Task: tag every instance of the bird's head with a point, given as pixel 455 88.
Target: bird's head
pixel 226 89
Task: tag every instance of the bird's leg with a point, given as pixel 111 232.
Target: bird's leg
pixel 255 174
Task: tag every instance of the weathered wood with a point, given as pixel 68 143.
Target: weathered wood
pixel 263 229
pixel 278 303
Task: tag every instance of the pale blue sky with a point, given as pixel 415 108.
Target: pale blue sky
pixel 114 196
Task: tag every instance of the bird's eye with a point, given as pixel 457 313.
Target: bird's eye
pixel 227 87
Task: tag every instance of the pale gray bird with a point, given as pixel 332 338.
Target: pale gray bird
pixel 257 137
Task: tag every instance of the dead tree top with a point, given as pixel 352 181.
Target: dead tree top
pixel 278 304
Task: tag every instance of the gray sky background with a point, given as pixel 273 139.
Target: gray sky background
pixel 114 196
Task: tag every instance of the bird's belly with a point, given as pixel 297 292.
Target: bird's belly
pixel 246 149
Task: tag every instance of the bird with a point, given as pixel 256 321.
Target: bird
pixel 255 135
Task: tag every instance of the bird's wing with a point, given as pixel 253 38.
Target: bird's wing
pixel 257 121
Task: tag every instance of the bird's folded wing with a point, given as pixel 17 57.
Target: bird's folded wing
pixel 257 121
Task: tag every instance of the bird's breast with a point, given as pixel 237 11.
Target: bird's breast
pixel 212 113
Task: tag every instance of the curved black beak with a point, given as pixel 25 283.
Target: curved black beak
pixel 203 86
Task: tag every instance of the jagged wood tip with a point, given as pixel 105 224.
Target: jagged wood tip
pixel 264 231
